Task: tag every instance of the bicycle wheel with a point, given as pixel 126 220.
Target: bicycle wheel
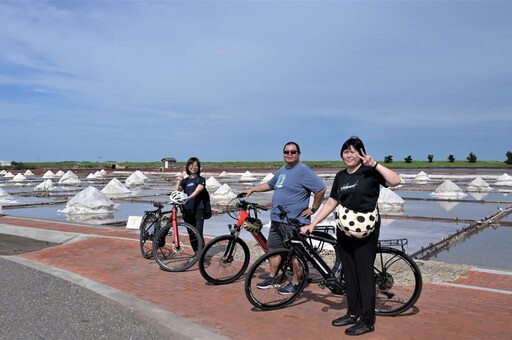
pixel 325 249
pixel 224 259
pixel 398 281
pixel 147 228
pixel 270 298
pixel 176 258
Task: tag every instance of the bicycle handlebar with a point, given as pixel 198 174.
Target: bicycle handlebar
pixel 243 203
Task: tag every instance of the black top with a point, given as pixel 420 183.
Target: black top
pixel 358 191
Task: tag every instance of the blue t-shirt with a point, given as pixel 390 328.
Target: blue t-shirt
pixel 189 185
pixel 292 189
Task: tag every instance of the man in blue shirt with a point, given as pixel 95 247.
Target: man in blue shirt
pixel 293 185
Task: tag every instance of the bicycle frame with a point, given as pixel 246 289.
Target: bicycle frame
pixel 245 212
pixel 304 249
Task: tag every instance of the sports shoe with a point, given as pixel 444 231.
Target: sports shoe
pixel 290 288
pixel 266 284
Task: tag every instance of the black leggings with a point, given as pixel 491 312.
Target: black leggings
pixel 358 257
pixel 195 219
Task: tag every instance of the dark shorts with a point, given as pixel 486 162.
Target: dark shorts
pixel 275 240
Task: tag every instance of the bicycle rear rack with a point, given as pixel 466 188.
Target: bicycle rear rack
pixel 401 242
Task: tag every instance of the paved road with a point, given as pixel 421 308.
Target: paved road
pixel 37 305
pixel 476 304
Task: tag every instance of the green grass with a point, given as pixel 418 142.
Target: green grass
pixel 259 165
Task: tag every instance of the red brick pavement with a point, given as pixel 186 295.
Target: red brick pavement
pixel 478 305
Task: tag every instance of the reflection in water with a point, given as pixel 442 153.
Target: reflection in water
pixel 96 219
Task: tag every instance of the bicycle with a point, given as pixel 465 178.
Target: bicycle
pixel 177 245
pixel 398 278
pixel 225 258
pixel 150 225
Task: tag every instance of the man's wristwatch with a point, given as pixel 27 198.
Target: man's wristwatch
pixel 313 210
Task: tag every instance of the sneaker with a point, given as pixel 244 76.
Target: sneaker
pixel 290 288
pixel 266 284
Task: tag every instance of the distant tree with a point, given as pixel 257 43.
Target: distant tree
pixel 430 158
pixel 17 165
pixel 451 159
pixel 388 159
pixel 408 159
pixel 509 157
pixel 471 158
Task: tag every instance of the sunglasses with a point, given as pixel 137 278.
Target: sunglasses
pixel 293 152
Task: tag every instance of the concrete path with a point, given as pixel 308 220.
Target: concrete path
pixel 107 260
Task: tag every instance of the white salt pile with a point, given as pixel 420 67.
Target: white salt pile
pixel 19 178
pixel 5 197
pixel 97 174
pixel 49 174
pixel 3 172
pixel 389 201
pixel 504 180
pixel 223 174
pixel 247 177
pixel 135 179
pixel 478 184
pixel 115 188
pixel 46 185
pixel 212 183
pixel 91 176
pixel 267 178
pixel 60 173
pixel 28 173
pixel 89 201
pixel 140 174
pixel 448 190
pixel 103 172
pixel 223 194
pixel 9 175
pixel 422 177
pixel 69 178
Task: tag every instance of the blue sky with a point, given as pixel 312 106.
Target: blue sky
pixel 235 80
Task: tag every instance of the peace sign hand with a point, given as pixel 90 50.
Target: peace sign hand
pixel 367 159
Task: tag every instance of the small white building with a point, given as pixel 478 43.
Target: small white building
pixel 168 162
pixel 5 163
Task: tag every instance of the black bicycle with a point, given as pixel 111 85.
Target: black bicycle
pixel 398 278
pixel 150 225
pixel 225 258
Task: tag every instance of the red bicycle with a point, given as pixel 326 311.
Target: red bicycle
pixel 177 245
